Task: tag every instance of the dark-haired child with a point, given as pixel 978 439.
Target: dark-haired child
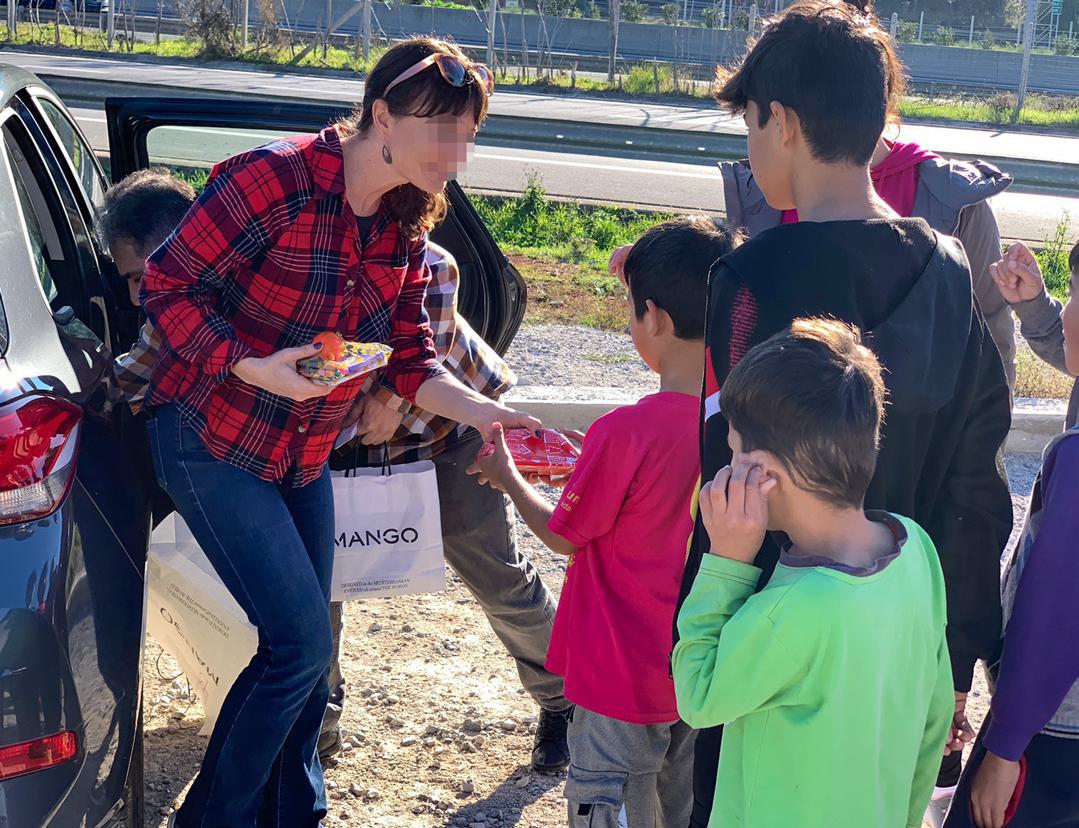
pixel 624 519
pixel 140 213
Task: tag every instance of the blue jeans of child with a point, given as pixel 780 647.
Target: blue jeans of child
pixel 272 546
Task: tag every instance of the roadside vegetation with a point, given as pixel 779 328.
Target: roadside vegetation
pixel 561 249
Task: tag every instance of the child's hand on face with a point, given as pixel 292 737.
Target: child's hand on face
pixel 734 509
pixel 494 465
pixel 1017 275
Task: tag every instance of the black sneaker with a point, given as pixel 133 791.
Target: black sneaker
pixel 550 753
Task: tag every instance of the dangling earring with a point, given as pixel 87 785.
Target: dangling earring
pixel 386 155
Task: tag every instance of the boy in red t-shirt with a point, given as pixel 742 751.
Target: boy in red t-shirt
pixel 624 521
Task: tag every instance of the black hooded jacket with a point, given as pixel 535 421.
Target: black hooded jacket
pixel 948 409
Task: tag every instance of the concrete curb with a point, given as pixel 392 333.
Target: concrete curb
pixel 1031 429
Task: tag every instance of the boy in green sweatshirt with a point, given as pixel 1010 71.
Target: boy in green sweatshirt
pixel 834 681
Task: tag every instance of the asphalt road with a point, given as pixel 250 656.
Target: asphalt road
pixel 620 180
pixel 575 111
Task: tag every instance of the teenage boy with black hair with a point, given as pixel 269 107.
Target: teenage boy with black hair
pixel 624 520
pixel 813 91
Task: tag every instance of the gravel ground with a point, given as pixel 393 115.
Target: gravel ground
pixel 585 361
pixel 442 729
pixel 563 355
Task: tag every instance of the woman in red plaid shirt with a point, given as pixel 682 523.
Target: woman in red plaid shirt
pixel 302 236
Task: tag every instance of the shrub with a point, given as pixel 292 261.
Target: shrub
pixel 1001 105
pixel 712 17
pixel 944 36
pixel 907 31
pixel 641 79
pixel 1054 258
pixel 988 40
pixel 558 8
pixel 670 13
pixel 634 11
pixel 210 22
pixel 1066 45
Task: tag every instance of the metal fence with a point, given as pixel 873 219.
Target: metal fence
pixel 584 44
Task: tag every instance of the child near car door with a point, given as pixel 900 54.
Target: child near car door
pixel 624 521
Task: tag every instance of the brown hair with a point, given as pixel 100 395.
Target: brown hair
pixel 831 63
pixel 813 396
pixel 423 96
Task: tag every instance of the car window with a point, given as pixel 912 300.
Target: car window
pixel 45 247
pixel 78 153
pixel 193 150
pixel 49 234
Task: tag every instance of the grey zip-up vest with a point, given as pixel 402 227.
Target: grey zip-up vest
pixel 944 189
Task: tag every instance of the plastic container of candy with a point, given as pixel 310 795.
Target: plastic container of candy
pixel 344 362
pixel 549 454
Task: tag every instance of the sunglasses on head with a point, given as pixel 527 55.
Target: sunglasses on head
pixel 455 72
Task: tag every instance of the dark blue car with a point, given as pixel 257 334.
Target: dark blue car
pixel 74 498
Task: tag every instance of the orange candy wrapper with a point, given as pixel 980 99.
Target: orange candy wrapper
pixel 550 454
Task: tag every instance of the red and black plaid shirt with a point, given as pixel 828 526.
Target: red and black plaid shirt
pixel 268 257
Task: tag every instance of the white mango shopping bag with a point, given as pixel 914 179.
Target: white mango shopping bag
pixel 388 532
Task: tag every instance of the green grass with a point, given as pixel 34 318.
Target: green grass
pixel 91 40
pixel 578 233
pixel 1040 110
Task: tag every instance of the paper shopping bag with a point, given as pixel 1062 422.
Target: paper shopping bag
pixel 388 532
pixel 191 613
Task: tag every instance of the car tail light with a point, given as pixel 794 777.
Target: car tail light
pixel 27 757
pixel 38 446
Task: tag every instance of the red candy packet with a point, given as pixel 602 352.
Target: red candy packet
pixel 550 454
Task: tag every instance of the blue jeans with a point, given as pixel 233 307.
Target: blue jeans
pixel 272 546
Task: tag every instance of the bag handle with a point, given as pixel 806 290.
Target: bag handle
pixel 386 467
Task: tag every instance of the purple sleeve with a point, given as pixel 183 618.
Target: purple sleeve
pixel 1041 646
